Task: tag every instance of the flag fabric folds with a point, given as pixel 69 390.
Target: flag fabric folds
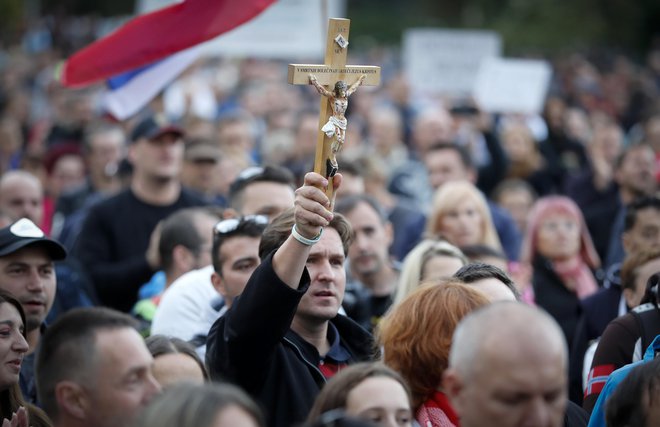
pixel 129 92
pixel 156 35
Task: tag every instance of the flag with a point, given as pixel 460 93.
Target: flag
pixel 156 35
pixel 129 92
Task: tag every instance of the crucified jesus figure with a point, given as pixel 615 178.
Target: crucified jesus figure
pixel 336 125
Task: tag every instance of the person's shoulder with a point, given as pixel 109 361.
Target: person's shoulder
pixel 623 324
pixel 191 198
pixel 575 416
pixel 192 282
pixel 602 297
pixel 114 200
pixel 359 339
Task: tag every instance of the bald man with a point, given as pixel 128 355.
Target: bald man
pixel 508 367
pixel 21 196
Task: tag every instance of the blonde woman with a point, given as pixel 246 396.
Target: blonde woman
pixel 430 259
pixel 460 215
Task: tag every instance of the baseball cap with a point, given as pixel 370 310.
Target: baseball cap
pixel 23 233
pixel 154 126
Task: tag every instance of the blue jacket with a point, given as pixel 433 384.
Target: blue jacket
pixel 598 414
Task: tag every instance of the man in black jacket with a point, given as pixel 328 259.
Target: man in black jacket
pixel 282 338
pixel 119 240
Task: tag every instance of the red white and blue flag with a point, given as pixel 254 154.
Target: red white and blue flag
pixel 156 35
pixel 133 52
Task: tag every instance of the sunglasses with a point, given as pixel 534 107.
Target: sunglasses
pixel 229 225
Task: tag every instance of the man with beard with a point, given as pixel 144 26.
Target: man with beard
pixel 119 239
pixel 27 271
pixel 374 276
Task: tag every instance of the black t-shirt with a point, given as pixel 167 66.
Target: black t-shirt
pixel 114 240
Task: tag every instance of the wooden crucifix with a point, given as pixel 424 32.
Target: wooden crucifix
pixel 336 81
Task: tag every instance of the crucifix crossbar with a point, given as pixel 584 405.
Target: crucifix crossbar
pixel 325 77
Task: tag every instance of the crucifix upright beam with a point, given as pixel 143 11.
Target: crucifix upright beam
pixel 327 75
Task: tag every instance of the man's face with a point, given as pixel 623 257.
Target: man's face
pixel 29 274
pixel 106 150
pixel 444 166
pixel 325 264
pixel 22 199
pixel 237 136
pixel 645 234
pixel 124 381
pixel 637 172
pixel 642 274
pixel 369 251
pixel 201 174
pixel 266 198
pixel 513 388
pixel 159 158
pixel 241 258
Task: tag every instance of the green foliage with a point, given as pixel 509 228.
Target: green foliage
pixel 11 16
pixel 544 26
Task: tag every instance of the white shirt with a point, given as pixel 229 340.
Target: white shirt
pixel 185 310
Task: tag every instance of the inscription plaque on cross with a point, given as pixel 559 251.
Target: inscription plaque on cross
pixel 325 77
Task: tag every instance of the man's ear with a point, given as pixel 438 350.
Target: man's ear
pixel 452 385
pixel 219 284
pixel 72 399
pixel 182 257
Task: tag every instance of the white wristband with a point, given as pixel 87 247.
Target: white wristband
pixel 304 240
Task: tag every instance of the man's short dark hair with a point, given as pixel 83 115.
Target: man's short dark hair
pixel 637 205
pixel 179 229
pixel 99 128
pixel 280 229
pixel 348 203
pixel 67 351
pixel 276 174
pixel 633 397
pixel 351 167
pixel 476 271
pixel 462 152
pixel 248 226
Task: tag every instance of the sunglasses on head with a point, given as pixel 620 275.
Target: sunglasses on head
pixel 226 226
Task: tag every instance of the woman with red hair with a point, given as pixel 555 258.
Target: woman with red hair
pixel 558 247
pixel 416 337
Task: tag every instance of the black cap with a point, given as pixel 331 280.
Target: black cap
pixel 154 126
pixel 23 233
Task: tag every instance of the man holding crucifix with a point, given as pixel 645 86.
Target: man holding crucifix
pixel 282 338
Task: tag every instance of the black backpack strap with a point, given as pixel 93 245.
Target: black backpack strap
pixel 648 322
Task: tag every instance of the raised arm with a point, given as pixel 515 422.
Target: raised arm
pixel 311 214
pixel 355 85
pixel 323 91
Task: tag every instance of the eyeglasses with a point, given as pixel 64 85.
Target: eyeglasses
pixel 228 225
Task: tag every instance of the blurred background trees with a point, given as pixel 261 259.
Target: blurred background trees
pixel 527 26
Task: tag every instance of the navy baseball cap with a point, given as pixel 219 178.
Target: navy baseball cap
pixel 24 233
pixel 154 126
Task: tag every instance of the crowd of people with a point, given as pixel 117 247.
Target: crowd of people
pixel 186 268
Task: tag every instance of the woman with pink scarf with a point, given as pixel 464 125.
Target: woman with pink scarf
pixel 558 247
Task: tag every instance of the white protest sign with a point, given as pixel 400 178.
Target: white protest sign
pixel 512 85
pixel 288 29
pixel 446 61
